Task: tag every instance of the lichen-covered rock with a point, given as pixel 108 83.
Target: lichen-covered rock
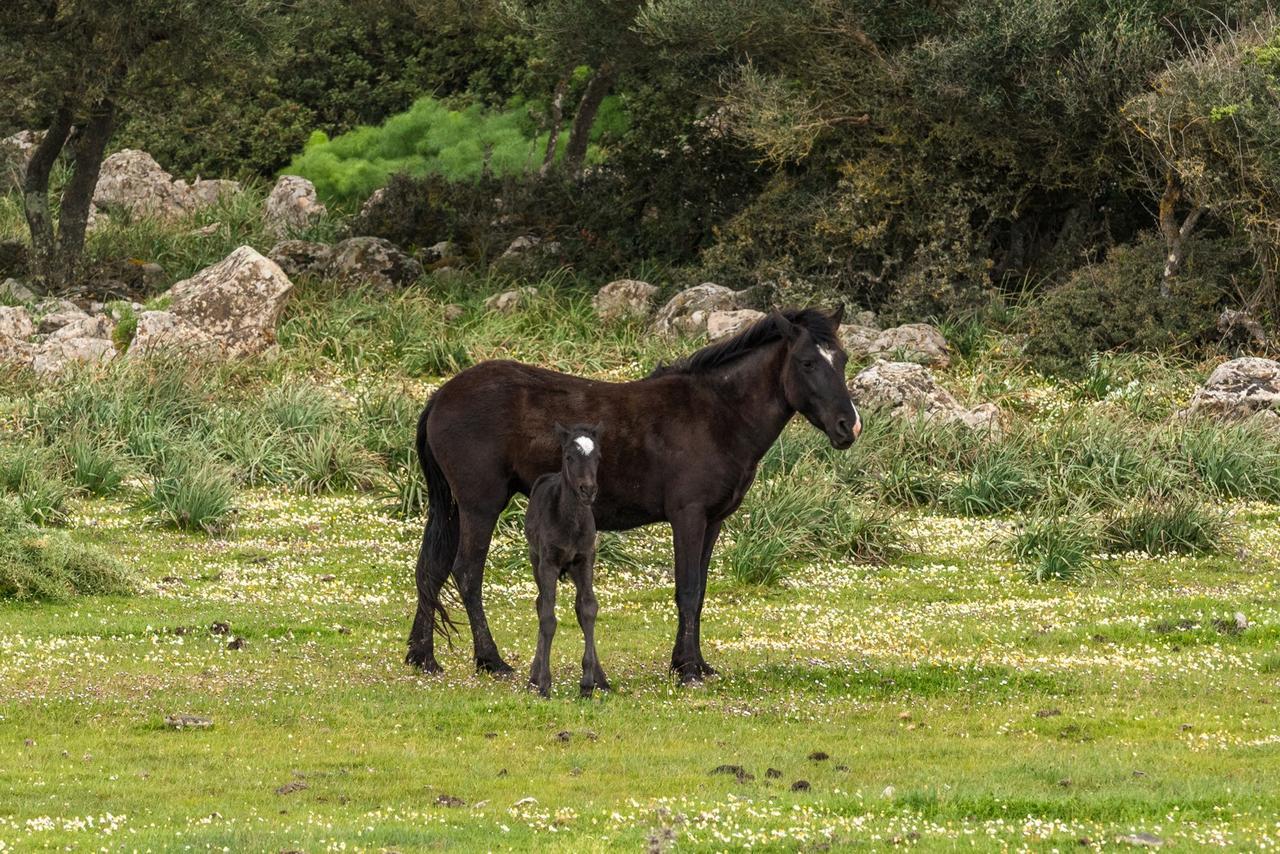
pixel 58 352
pixel 722 324
pixel 16 323
pixel 373 261
pixel 292 206
pixel 12 289
pixel 857 339
pixel 1238 388
pixel 301 257
pixel 907 389
pixel 85 326
pixel 164 331
pixel 52 314
pixel 687 312
pixel 509 302
pixel 915 342
pixel 521 245
pixel 624 299
pixel 236 302
pixel 134 182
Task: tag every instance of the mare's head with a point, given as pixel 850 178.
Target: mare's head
pixel 580 459
pixel 813 375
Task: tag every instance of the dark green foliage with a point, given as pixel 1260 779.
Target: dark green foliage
pixel 1116 304
pixel 31 475
pixel 40 564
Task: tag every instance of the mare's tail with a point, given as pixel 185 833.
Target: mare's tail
pixel 440 538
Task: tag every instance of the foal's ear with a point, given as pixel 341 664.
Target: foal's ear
pixel 788 329
pixel 837 316
pixel 562 433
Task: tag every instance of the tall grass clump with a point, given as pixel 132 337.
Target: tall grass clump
pixel 32 475
pixel 1001 479
pixel 1183 524
pixel 1053 546
pixel 98 466
pixel 793 519
pixel 40 564
pixel 191 491
pixel 1233 460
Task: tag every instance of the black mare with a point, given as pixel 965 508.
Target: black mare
pixel 683 447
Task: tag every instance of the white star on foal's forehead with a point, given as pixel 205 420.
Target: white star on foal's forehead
pixel 585 445
pixel 829 355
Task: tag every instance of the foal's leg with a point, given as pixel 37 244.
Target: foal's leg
pixel 587 608
pixel 475 532
pixel 708 543
pixel 545 572
pixel 688 527
pixel 435 560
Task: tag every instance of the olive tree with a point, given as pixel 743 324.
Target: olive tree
pixel 72 64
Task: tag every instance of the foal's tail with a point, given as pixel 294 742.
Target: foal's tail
pixel 440 539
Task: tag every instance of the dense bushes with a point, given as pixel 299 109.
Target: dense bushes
pixel 1116 304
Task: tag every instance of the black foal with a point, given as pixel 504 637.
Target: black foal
pixel 561 531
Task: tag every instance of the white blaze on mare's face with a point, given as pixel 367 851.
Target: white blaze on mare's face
pixel 829 355
pixel 585 445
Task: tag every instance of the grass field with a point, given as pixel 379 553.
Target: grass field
pixel 957 705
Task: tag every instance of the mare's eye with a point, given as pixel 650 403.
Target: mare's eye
pixel 807 364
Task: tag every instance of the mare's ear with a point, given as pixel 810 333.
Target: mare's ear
pixel 837 316
pixel 597 429
pixel 788 329
pixel 562 433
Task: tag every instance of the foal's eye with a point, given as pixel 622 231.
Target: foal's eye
pixel 807 364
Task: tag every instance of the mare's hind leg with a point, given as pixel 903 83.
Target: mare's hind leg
pixel 475 532
pixel 587 608
pixel 544 572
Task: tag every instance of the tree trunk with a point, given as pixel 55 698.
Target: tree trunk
pixel 579 135
pixel 35 192
pixel 1175 234
pixel 557 117
pixel 77 196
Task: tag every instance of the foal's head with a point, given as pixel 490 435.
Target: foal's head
pixel 580 448
pixel 813 380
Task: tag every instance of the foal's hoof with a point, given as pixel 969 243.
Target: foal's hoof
pixel 705 670
pixel 496 667
pixel 543 691
pixel 688 673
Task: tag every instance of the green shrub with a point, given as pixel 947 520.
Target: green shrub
pixel 1053 546
pixel 429 138
pixel 39 564
pixel 1116 304
pixel 191 491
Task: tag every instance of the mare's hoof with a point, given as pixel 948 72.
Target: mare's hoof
pixel 497 667
pixel 585 691
pixel 541 690
pixel 706 670
pixel 689 673
pixel 422 661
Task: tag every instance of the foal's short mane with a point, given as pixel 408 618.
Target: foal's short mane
pixel 756 335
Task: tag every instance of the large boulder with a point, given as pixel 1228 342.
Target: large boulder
pixel 15 154
pixel 16 323
pixel 915 342
pixel 857 339
pixel 722 324
pixel 624 299
pixel 907 390
pixel 292 206
pixel 164 331
pixel 134 182
pixel 299 257
pixel 52 314
pixel 84 342
pixel 372 260
pixel 236 302
pixel 1238 388
pixel 687 312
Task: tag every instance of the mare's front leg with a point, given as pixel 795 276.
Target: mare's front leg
pixel 545 572
pixel 708 544
pixel 688 527
pixel 475 532
pixel 587 608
